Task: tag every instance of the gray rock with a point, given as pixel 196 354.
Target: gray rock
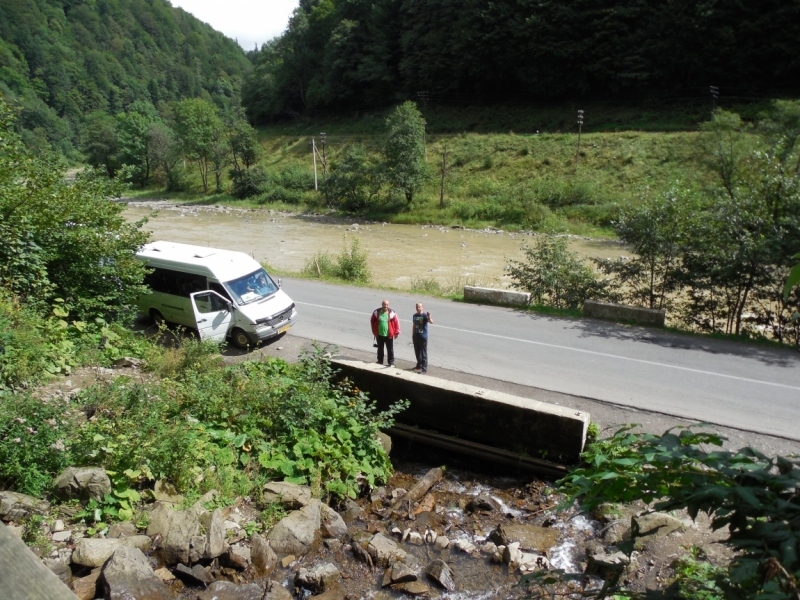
pixel 333 525
pixel 238 557
pixel 289 495
pixel 17 532
pixel 57 526
pixel 196 575
pixel 415 538
pixel 482 503
pixel 335 594
pixel 385 441
pixel 441 542
pixel 182 539
pixel 298 532
pixel 601 563
pixel 530 537
pixel 128 574
pixel 122 530
pixel 352 511
pixel 653 526
pixel 83 483
pixel 163 491
pixel 333 544
pixel 225 590
pixel 385 551
pixel 93 552
pixel 62 536
pixel 262 556
pixel 61 569
pixel 128 362
pixel 85 588
pixel 15 506
pixel 319 579
pixel 442 574
pixel 398 573
pixel 413 588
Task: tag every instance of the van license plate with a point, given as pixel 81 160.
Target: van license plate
pixel 282 329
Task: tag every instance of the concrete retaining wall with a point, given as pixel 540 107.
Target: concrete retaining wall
pixel 619 312
pixel 480 294
pixel 484 416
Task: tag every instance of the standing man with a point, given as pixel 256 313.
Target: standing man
pixel 419 336
pixel 385 328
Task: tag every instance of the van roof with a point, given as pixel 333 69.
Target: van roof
pixel 222 264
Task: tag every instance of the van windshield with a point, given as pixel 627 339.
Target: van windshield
pixel 250 288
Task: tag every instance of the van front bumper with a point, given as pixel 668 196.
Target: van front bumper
pixel 266 333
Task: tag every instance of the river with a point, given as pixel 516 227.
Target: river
pixel 397 253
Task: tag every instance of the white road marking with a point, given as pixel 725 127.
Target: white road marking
pixel 592 352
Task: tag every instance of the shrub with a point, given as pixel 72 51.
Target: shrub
pixel 555 276
pixel 251 182
pixel 351 264
pixel 177 180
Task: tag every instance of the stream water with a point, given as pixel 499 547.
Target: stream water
pixel 397 253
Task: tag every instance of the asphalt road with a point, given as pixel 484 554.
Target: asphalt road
pixel 745 386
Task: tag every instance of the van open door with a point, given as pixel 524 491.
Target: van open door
pixel 213 315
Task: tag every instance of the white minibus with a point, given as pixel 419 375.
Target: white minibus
pixel 221 293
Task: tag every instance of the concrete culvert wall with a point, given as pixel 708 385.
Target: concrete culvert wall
pixel 521 425
pixel 620 312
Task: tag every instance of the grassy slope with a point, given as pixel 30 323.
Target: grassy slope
pixel 515 180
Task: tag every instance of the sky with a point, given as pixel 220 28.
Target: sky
pixel 250 21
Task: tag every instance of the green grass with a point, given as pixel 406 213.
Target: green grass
pixel 496 177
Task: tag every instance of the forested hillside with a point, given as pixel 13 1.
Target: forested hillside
pixel 346 55
pixel 61 60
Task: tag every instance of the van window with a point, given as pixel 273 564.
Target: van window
pixel 220 289
pixel 207 303
pixel 176 283
pixel 252 287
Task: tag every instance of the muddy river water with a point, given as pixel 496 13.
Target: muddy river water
pixel 397 253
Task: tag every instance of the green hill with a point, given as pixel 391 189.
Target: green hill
pixel 63 59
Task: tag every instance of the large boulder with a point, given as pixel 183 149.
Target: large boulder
pixel 298 532
pixel 225 590
pixel 318 579
pixel 15 506
pixel 289 495
pixel 94 552
pixel 653 526
pixel 82 483
pixel 128 574
pixel 529 537
pixel 333 526
pixel 262 556
pixel 385 551
pixel 187 535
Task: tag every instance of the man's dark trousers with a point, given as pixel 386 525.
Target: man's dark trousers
pixel 421 351
pixel 389 343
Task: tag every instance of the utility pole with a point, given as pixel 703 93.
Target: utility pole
pixel 444 172
pixel 423 96
pixel 714 96
pixel 314 154
pixel 580 128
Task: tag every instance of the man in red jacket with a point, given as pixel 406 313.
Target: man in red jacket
pixel 385 328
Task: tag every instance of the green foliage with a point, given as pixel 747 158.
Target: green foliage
pixel 69 229
pixel 34 443
pixel 199 131
pixel 404 150
pixel 208 426
pixel 61 61
pixel 116 506
pixel 697 578
pixel 354 55
pixel 350 265
pixel 753 496
pixel 356 181
pixel 554 276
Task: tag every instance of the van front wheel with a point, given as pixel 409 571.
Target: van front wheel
pixel 240 339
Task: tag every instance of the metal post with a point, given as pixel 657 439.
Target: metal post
pixel 580 128
pixel 314 154
pixel 714 96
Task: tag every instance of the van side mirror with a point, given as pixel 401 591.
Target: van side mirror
pixel 280 283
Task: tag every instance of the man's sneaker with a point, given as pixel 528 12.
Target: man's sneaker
pixel 417 370
pixel 391 364
pixel 379 362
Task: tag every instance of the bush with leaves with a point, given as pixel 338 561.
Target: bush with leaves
pixel 356 181
pixel 755 497
pixel 352 263
pixel 554 276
